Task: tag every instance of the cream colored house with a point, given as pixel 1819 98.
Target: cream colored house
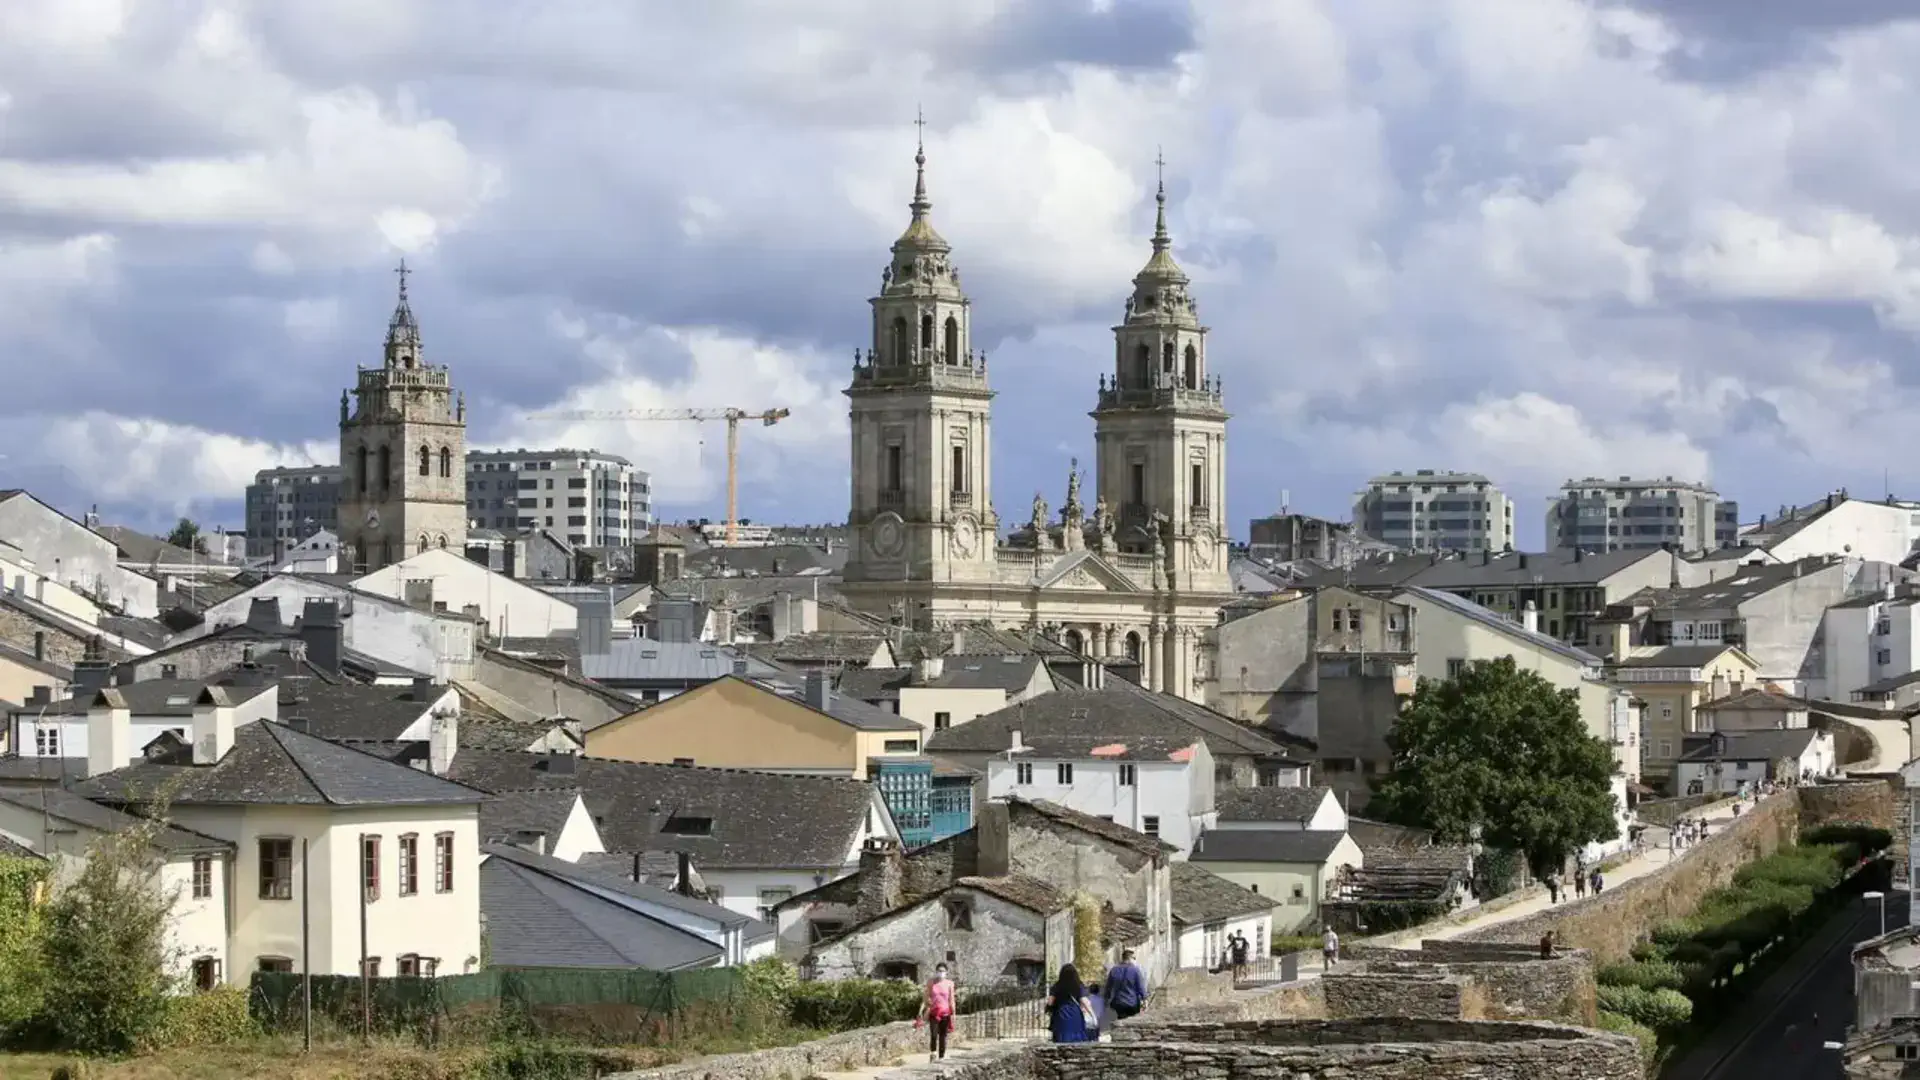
pixel 1297 868
pixel 191 867
pixel 1674 681
pixel 319 826
pixel 438 580
pixel 948 690
pixel 742 723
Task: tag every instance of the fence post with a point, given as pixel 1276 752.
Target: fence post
pixel 1289 966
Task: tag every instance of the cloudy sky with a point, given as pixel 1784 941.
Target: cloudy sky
pixel 1535 238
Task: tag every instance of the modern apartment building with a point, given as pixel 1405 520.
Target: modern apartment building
pixel 585 497
pixel 1435 511
pixel 285 506
pixel 1638 515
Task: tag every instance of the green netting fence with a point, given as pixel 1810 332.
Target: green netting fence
pixel 628 1007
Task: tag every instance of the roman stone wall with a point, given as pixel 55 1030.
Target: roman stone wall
pixel 1401 990
pixel 1664 812
pixel 1870 802
pixel 1609 925
pixel 62 647
pixel 1507 981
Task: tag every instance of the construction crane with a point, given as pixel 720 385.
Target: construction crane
pixel 767 418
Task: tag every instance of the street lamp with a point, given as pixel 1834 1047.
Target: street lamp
pixel 1882 898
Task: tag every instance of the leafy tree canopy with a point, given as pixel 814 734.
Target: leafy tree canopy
pixel 1502 749
pixel 186 534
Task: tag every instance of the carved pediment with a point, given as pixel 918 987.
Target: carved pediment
pixel 1086 571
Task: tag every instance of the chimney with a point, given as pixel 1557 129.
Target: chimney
pixel 109 732
pixel 595 625
pixel 443 741
pixel 322 634
pixel 819 690
pixel 740 666
pixel 927 668
pixel 41 697
pixel 40 645
pixel 264 614
pixel 212 726
pixel 1523 560
pixel 423 689
pixel 1486 556
pixel 90 675
pixel 1014 745
pixel 881 870
pixel 993 856
pixel 1530 617
pixel 1719 686
pixel 682 878
pixel 1579 554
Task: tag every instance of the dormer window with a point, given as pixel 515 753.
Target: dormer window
pixel 678 825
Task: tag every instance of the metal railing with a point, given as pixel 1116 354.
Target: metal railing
pixel 1013 1012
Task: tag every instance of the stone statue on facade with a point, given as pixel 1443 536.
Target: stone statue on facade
pixel 886 275
pixel 343 406
pixel 1073 522
pixel 1039 521
pixel 1103 523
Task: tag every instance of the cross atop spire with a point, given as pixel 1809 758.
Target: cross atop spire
pixel 402 327
pixel 403 272
pixel 1161 240
pixel 920 204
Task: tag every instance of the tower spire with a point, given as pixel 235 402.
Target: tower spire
pixel 920 204
pixel 1161 240
pixel 402 326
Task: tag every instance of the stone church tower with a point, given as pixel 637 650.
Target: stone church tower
pixel 922 506
pixel 1160 428
pixel 403 452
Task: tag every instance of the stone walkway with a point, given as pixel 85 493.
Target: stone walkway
pixel 1653 858
pixel 917 1065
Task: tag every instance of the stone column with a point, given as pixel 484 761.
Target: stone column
pixel 1114 637
pixel 1151 674
pixel 1170 657
pixel 1096 642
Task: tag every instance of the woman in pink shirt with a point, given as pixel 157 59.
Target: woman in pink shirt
pixel 937 1011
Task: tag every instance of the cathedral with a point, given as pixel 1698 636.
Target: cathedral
pixel 1140 574
pixel 403 454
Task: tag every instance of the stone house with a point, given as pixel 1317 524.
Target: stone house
pixel 1331 651
pixel 994 902
pixel 1208 910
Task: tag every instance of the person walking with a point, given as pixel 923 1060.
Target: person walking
pixel 1580 883
pixel 1598 881
pixel 1240 950
pixel 936 1009
pixel 1553 888
pixel 1329 946
pixel 1126 987
pixel 1069 1014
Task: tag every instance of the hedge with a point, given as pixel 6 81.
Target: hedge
pixel 1663 1010
pixel 1645 974
pixel 1649 1042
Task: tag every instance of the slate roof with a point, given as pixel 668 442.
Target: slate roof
pixel 534 920
pixel 1201 896
pixel 760 820
pixel 1770 745
pixel 1499 570
pixel 1111 748
pixel 1374 835
pixel 1265 845
pixel 273 764
pixel 1751 580
pixel 1436 857
pixel 849 710
pixel 345 712
pixel 1677 656
pixel 1485 617
pixel 645 660
pixel 762 560
pixel 973 672
pixel 1270 803
pixel 508 815
pixel 1100 827
pixel 15 769
pixel 24 657
pixel 138 547
pixel 1754 699
pixel 1116 713
pixel 874 684
pixel 1890 684
pixel 149 632
pixel 621 884
pixel 821 647
pixel 11 850
pixel 1020 890
pixel 67 806
pixel 152 697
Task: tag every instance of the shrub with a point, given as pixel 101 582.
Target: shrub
pixel 1864 837
pixel 22 976
pixel 771 981
pixel 104 947
pixel 1292 943
pixel 1088 956
pixel 1660 1010
pixel 1645 974
pixel 846 1004
pixel 1621 1025
pixel 218 1017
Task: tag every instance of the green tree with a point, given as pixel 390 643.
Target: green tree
pixel 1501 751
pixel 22 981
pixel 186 534
pixel 104 949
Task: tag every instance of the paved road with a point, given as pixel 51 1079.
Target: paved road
pixel 1807 1002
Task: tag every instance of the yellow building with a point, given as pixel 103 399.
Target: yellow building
pixel 1673 682
pixel 742 723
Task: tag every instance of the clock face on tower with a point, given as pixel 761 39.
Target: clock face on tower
pixel 966 535
pixel 373 517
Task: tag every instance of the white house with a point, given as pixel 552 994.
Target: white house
pixel 1837 525
pixel 391 631
pixel 68 552
pixel 1314 809
pixel 109 728
pixel 1725 761
pixel 1871 639
pixel 1160 787
pixel 1208 910
pixel 191 867
pixel 325 829
pixel 440 580
pixel 1286 844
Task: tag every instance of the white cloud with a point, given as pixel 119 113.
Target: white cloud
pixel 1535 443
pixel 1837 256
pixel 154 463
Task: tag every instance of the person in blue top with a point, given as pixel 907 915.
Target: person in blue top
pixel 1068 1010
pixel 1126 987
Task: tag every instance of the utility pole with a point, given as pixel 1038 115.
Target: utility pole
pixel 306 955
pixel 366 977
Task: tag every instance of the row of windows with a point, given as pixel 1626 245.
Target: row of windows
pixel 276 866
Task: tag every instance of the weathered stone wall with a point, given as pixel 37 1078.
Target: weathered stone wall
pixel 1370 1049
pixel 1399 990
pixel 1870 802
pixel 1610 924
pixel 63 648
pixel 1511 980
pixel 1664 812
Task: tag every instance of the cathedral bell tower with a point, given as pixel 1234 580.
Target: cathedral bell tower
pixel 403 453
pixel 1160 428
pixel 922 508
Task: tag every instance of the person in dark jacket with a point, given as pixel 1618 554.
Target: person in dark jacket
pixel 1068 1009
pixel 1126 987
